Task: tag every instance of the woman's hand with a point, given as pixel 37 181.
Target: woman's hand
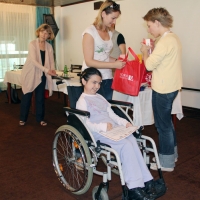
pixel 122 56
pixel 109 126
pixel 52 72
pixel 119 64
pixel 145 52
pixel 144 49
pixel 128 125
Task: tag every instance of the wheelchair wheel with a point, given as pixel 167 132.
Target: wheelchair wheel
pixel 103 194
pixel 114 169
pixel 72 160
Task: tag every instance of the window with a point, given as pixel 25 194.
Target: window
pixel 17 30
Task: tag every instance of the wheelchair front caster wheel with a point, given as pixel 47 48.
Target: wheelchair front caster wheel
pixel 103 194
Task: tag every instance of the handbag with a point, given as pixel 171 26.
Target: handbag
pixel 128 79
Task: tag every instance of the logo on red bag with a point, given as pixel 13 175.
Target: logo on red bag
pixel 130 78
pixel 126 76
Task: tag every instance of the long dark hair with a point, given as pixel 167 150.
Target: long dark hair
pixel 88 72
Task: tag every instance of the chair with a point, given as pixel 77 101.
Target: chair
pixel 76 153
pixel 76 68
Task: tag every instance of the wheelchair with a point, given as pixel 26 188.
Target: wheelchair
pixel 76 153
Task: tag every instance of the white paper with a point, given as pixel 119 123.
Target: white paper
pixel 119 132
pixel 147 41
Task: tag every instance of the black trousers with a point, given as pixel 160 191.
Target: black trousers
pixel 39 101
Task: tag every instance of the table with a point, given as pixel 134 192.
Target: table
pixel 142 110
pixel 142 106
pixel 75 81
pixel 13 77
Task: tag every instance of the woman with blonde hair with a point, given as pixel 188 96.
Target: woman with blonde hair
pixel 165 64
pixel 36 73
pixel 97 44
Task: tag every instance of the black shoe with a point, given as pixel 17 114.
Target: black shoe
pixel 138 194
pixel 150 189
pixel 155 189
pixel 160 187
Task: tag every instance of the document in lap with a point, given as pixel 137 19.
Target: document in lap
pixel 119 132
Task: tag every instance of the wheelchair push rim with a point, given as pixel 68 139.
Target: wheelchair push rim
pixel 72 160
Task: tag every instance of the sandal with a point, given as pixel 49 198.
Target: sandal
pixel 22 123
pixel 43 123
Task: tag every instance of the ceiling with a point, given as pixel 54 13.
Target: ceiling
pixel 48 3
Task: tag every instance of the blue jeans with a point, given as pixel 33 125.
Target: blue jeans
pixel 105 90
pixel 162 107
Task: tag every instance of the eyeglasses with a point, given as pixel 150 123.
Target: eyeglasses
pixel 114 6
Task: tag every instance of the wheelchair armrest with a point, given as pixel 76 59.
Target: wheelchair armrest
pixel 76 111
pixel 121 103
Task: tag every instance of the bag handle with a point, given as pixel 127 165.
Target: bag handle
pixel 133 54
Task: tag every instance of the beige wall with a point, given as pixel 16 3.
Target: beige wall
pixel 72 20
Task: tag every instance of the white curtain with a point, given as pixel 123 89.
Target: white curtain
pixel 18 25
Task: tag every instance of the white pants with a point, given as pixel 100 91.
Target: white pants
pixel 134 168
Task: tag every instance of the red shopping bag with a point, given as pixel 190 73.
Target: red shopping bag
pixel 128 79
pixel 146 78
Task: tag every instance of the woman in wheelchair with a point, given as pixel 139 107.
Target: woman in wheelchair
pixel 137 177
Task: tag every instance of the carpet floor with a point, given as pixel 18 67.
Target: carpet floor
pixel 26 171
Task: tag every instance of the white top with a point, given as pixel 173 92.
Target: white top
pixel 100 113
pixel 102 50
